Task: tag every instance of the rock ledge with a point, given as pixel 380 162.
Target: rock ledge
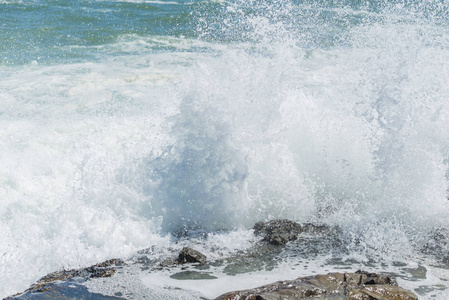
pixel 359 285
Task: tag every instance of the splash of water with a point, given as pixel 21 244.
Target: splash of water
pixel 296 122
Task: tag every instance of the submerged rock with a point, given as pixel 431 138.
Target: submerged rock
pixel 192 275
pixel 360 285
pixel 280 232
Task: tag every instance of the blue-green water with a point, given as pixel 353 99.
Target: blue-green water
pixel 73 31
pixel 125 124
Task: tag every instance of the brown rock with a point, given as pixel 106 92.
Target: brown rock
pixel 361 285
pixel 385 291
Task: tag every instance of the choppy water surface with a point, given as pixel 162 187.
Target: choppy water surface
pixel 126 125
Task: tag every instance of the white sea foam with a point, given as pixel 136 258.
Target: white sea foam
pixel 68 133
pixel 424 279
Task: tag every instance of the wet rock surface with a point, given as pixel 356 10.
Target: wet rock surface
pixel 280 232
pixel 360 285
pixel 189 255
pixel 281 240
pixel 186 256
pixel 51 283
pixel 63 291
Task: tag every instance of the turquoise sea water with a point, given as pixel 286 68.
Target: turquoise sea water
pixel 73 31
pixel 129 124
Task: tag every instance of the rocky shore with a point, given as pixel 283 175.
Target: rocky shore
pixel 274 236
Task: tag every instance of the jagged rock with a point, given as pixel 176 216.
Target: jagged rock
pixel 105 269
pixel 110 263
pixel 280 232
pixel 189 255
pixel 360 285
pixel 168 262
pixel 366 278
pixel 384 292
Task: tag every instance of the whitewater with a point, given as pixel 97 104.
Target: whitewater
pixel 131 125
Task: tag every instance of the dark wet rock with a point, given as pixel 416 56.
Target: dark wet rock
pixel 115 262
pixel 105 269
pixel 189 255
pixel 63 291
pixel 280 232
pixel 185 256
pixel 168 262
pixel 360 285
pixel 366 278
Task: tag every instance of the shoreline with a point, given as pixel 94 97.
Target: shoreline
pixel 192 271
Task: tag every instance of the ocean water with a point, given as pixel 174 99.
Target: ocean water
pixel 133 124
